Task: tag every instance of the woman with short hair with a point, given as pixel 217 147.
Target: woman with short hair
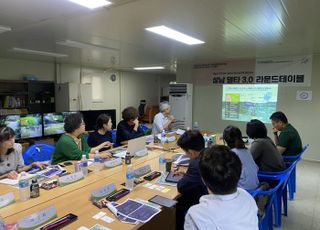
pixel 129 128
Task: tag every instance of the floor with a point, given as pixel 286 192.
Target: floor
pixel 304 211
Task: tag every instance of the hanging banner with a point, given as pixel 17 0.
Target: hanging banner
pixel 231 72
pixel 280 70
pixel 284 70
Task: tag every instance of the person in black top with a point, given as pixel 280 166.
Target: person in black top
pixel 103 131
pixel 190 186
pixel 129 127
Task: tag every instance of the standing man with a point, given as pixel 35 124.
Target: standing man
pixel 163 120
pixel 288 142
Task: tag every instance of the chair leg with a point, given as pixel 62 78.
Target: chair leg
pixel 285 201
pixel 277 208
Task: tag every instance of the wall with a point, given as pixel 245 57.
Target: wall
pixel 303 115
pixel 13 69
pixel 127 90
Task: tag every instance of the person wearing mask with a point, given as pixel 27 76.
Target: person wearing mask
pixel 263 150
pixel 11 160
pixel 162 120
pixel 249 178
pixel 129 128
pixel 102 134
pixel 190 186
pixel 226 206
pixel 72 144
pixel 288 142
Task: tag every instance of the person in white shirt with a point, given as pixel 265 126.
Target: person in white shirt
pixel 162 120
pixel 226 207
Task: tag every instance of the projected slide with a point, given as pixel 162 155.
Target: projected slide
pixel 246 102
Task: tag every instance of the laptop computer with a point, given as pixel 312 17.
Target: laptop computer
pixel 136 147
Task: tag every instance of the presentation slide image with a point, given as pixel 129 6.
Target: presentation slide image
pixel 246 102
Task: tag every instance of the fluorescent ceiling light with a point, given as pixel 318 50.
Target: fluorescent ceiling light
pixel 92 4
pixel 82 45
pixel 37 52
pixel 4 29
pixel 175 35
pixel 148 68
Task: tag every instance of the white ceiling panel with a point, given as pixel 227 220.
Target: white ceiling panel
pixel 231 29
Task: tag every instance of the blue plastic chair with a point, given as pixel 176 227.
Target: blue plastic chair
pixel 114 137
pixel 38 152
pixel 281 194
pixel 266 221
pixel 292 180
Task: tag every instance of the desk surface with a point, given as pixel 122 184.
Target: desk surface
pixel 74 198
pixel 77 201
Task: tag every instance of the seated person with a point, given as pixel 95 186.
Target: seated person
pixel 263 150
pixel 226 207
pixel 163 120
pixel 289 141
pixel 72 145
pixel 11 160
pixel 190 186
pixel 129 128
pixel 249 178
pixel 103 131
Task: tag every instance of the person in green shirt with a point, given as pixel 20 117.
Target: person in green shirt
pixel 288 141
pixel 72 145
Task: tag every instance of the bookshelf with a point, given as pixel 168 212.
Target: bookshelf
pixel 22 97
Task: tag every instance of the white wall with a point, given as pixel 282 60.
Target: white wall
pixel 127 90
pixel 13 69
pixel 303 115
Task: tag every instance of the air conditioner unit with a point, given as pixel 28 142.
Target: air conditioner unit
pixel 180 98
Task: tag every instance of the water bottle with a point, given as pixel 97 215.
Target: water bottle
pixel 24 188
pixel 206 139
pixel 162 163
pixel 163 137
pixel 129 178
pixel 195 126
pixel 96 162
pixel 84 165
pixel 34 189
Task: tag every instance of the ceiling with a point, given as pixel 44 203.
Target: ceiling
pixel 231 29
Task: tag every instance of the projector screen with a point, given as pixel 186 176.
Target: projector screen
pixel 246 102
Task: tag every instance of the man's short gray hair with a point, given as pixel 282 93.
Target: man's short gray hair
pixel 163 106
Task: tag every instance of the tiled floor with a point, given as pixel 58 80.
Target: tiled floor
pixel 304 211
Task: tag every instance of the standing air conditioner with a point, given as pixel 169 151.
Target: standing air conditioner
pixel 180 98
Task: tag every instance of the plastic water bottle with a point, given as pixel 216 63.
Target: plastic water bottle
pixel 129 178
pixel 96 162
pixel 163 136
pixel 162 163
pixel 84 165
pixel 206 139
pixel 24 187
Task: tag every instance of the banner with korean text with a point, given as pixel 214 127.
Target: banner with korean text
pixel 290 71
